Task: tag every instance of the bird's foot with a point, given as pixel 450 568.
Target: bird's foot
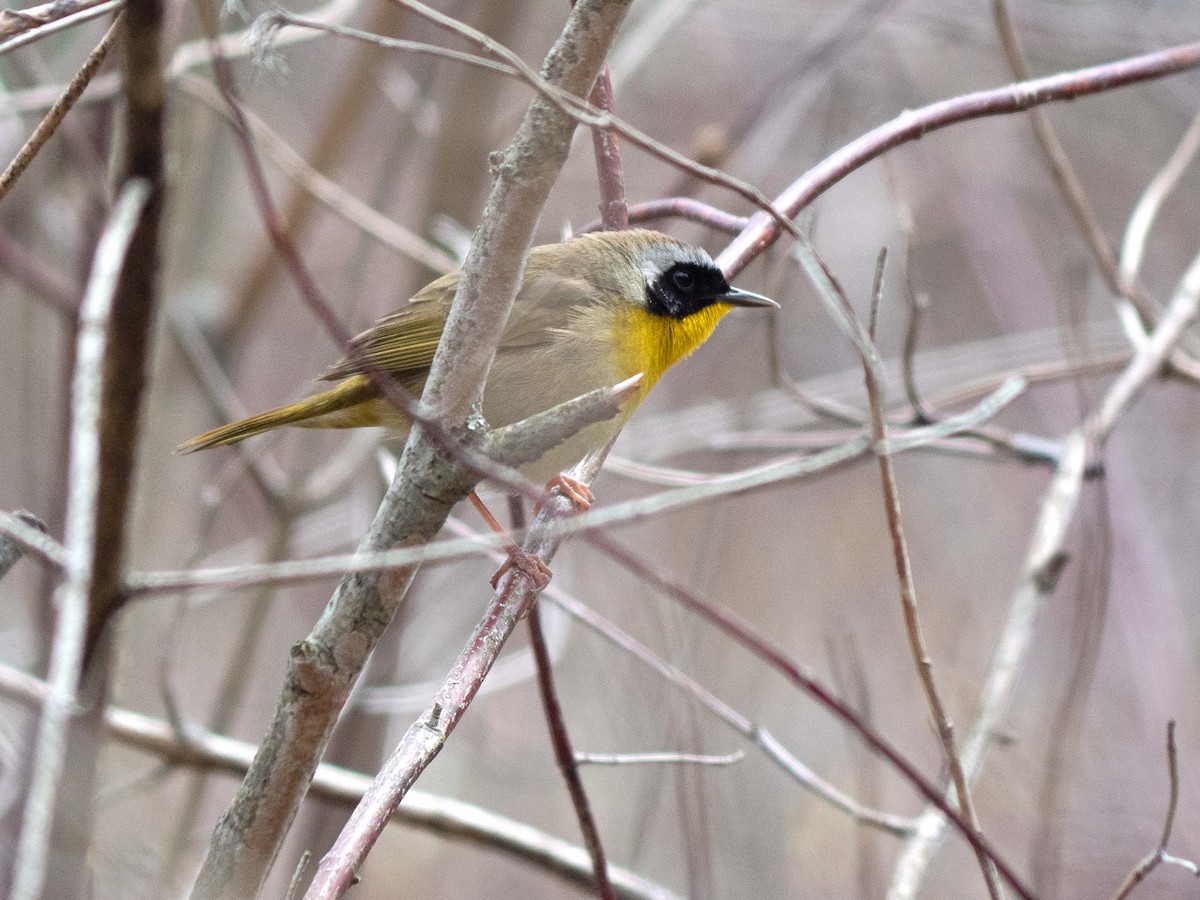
pixel 526 563
pixel 573 489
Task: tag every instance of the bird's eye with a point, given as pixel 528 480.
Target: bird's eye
pixel 683 280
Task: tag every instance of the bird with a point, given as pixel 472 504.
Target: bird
pixel 591 312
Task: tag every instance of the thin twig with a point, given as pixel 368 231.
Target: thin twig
pixel 614 210
pixel 669 758
pixel 1043 564
pixel 753 732
pixel 734 628
pixel 564 755
pixel 763 230
pixel 786 469
pixel 1159 854
pixel 16 21
pixel 83 522
pixel 297 875
pixel 1145 212
pixel 842 310
pixel 50 122
pixel 76 14
pixel 333 196
pixel 196 748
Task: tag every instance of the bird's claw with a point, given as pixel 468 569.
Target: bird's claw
pixel 527 564
pixel 571 488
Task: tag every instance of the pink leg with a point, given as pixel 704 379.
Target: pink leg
pixel 537 570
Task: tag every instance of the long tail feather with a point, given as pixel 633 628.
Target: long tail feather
pixel 317 411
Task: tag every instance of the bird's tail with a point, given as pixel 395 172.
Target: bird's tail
pixel 343 406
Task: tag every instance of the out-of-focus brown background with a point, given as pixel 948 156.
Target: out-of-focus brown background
pixel 1073 792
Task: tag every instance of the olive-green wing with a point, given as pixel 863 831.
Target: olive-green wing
pixel 404 342
pixel 401 343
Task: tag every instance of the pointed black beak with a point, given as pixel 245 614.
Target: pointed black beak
pixel 736 297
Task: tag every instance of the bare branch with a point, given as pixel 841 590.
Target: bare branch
pixel 445 816
pixel 564 755
pixel 429 482
pixel 840 308
pixel 911 125
pixel 85 521
pixel 372 222
pixel 60 16
pixel 58 111
pixel 1043 564
pixel 1159 854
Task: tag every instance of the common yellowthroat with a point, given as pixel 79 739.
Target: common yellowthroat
pixel 591 312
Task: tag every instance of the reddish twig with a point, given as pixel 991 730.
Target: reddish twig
pixel 564 755
pixel 678 208
pixel 614 210
pixel 805 681
pixel 763 229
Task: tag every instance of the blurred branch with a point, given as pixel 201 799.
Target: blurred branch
pixel 1066 178
pixel 732 627
pixel 12 550
pixel 43 281
pixel 49 124
pixel 1043 564
pixel 1133 245
pixel 17 529
pixel 54 22
pixel 763 230
pixel 671 759
pixel 87 523
pixel 1141 311
pixel 203 750
pixel 332 195
pixel 17 21
pixel 188 56
pixel 1159 854
pixel 863 340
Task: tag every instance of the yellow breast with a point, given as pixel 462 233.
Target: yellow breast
pixel 649 343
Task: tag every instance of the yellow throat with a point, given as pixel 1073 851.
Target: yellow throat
pixel 651 343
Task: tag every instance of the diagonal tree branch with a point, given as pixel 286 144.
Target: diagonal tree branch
pixel 324 666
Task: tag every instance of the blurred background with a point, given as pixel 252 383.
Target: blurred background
pixel 1075 788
